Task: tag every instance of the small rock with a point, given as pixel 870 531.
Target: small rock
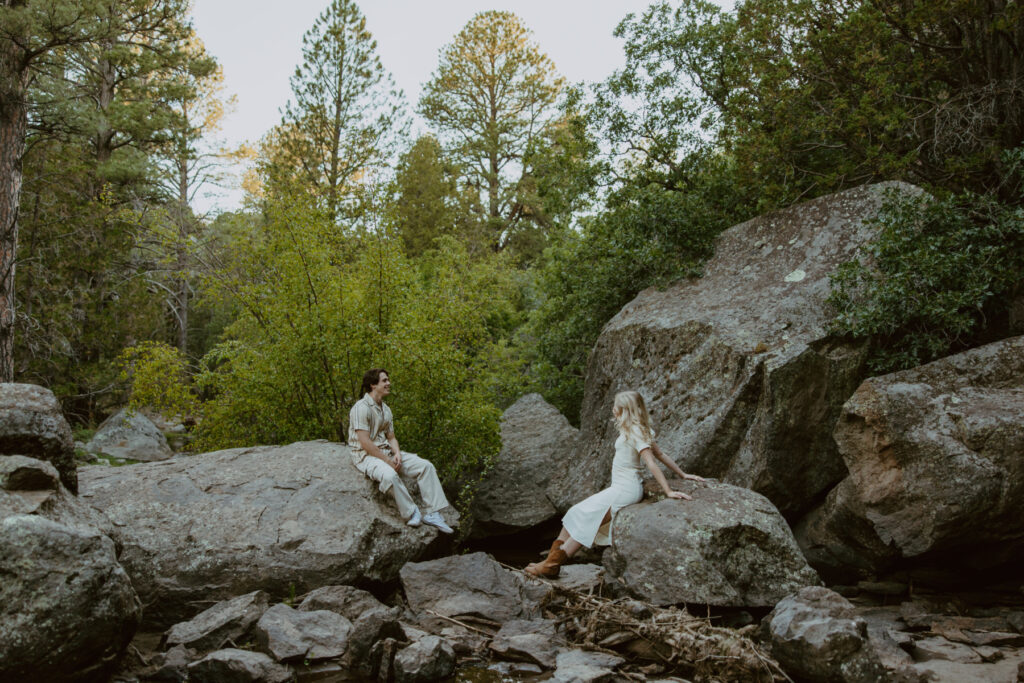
pixel 533 640
pixel 134 436
pixel 938 647
pixel 579 666
pixel 288 634
pixel 465 643
pixel 994 638
pixel 815 634
pixel 348 601
pixel 171 666
pixel 514 668
pixel 429 659
pixel 472 584
pixel 20 473
pixel 239 666
pixel 226 622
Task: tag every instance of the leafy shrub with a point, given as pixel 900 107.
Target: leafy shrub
pixel 939 271
pixel 158 378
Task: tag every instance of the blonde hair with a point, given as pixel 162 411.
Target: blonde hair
pixel 631 414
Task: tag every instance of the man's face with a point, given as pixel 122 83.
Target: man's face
pixel 383 385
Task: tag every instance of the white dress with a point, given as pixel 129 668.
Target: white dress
pixel 583 520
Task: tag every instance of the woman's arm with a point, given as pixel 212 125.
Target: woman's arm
pixel 648 457
pixel 672 466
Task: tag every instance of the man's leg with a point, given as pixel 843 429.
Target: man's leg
pixel 385 475
pixel 426 476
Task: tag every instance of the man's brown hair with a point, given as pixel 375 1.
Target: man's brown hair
pixel 372 377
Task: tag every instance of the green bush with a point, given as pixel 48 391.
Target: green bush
pixel 320 308
pixel 931 284
pixel 158 378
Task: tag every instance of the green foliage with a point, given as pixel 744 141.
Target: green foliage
pixel 427 201
pixel 939 273
pixel 321 310
pixel 339 126
pixel 811 96
pixel 158 377
pixel 491 99
pixel 648 236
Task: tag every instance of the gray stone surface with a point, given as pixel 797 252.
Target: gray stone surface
pixel 728 546
pixel 134 436
pixel 288 634
pixel 226 623
pixel 278 518
pixel 535 440
pixel 532 640
pixel 239 666
pixel 473 584
pixel 430 658
pixel 21 473
pixel 33 487
pixel 935 472
pixel 371 621
pixel 580 666
pixel 737 368
pixel 67 609
pixel 348 601
pixel 32 424
pixel 816 636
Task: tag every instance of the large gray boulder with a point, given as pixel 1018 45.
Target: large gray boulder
pixel 32 424
pixel 536 440
pixel 130 435
pixel 67 608
pixel 936 475
pixel 277 518
pixel 738 369
pixel 728 546
pixel 816 635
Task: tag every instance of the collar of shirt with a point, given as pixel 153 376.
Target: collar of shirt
pixel 368 399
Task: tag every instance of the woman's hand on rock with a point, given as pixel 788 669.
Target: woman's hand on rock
pixel 694 477
pixel 679 495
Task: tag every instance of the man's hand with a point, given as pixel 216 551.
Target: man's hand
pixel 396 461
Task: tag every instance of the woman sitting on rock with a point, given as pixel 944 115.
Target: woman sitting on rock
pixel 589 521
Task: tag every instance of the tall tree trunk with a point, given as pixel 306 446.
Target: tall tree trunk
pixel 182 265
pixel 14 77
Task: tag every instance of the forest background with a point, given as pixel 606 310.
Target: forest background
pixel 478 261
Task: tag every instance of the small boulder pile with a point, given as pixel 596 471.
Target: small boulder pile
pixel 67 608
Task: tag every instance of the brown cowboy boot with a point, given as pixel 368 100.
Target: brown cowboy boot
pixel 550 567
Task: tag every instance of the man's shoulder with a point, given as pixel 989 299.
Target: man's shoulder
pixel 359 406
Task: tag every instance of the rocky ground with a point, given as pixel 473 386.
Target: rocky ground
pixel 469 618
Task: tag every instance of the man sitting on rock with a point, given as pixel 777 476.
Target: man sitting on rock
pixel 375 452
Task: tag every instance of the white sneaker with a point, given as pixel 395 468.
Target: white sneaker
pixel 435 519
pixel 416 518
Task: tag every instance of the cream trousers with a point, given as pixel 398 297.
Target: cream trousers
pixel 413 466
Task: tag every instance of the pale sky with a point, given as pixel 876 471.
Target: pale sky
pixel 258 44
